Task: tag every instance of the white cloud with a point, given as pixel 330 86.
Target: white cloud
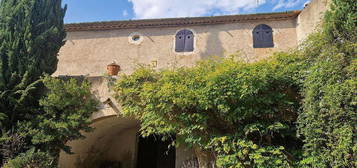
pixel 287 4
pixel 145 9
pixel 125 13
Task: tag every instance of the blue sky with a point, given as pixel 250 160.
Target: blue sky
pixel 108 10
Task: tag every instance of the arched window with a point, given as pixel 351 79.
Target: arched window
pixel 263 36
pixel 184 41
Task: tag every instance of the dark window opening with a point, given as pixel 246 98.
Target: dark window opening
pixel 184 41
pixel 263 36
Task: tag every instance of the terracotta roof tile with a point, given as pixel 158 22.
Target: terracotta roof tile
pixel 174 22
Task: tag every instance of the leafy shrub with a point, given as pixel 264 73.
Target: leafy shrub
pixel 67 108
pixel 31 159
pixel 11 145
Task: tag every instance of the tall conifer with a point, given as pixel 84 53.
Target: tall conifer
pixel 31 34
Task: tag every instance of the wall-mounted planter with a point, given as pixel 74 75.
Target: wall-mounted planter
pixel 113 69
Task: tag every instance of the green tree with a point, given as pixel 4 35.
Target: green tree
pixel 38 114
pixel 31 34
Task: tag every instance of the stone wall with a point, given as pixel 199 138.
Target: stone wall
pixel 88 52
pixel 310 18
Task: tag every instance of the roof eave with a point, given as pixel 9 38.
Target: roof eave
pixel 176 22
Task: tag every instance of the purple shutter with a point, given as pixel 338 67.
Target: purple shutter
pixel 180 41
pixel 263 36
pixel 257 39
pixel 267 35
pixel 189 39
pixel 268 38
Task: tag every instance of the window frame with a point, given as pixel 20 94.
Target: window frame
pixel 134 35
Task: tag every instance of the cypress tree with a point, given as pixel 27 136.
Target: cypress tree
pixel 31 34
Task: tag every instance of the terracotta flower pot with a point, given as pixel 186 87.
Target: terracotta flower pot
pixel 113 69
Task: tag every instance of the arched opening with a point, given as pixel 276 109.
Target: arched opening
pixel 113 143
pixel 263 36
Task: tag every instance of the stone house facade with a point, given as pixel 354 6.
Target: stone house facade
pixel 164 43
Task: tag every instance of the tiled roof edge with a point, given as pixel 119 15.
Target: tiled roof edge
pixel 175 22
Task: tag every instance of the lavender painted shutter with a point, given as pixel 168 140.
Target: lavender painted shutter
pixel 257 39
pixel 180 41
pixel 267 36
pixel 189 38
pixel 263 36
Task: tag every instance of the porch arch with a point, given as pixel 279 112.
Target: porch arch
pixel 114 139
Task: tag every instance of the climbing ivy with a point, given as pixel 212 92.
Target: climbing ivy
pixel 251 102
pixel 324 69
pixel 237 153
pixel 328 121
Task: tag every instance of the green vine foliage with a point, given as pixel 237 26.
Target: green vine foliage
pixel 328 120
pixel 237 153
pixel 250 102
pixel 340 21
pixel 325 74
